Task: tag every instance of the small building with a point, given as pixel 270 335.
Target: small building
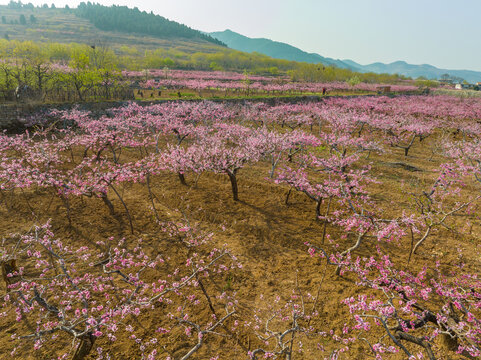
pixel 458 86
pixel 384 89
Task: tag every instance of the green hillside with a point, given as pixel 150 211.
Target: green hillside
pixel 63 25
pixel 134 21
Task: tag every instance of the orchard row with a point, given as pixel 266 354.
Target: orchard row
pixel 322 150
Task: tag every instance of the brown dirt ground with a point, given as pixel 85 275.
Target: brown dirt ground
pixel 267 235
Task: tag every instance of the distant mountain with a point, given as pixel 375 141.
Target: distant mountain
pixel 281 50
pixel 275 49
pixel 414 71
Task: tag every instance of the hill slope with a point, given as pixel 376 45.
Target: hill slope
pixel 64 26
pixel 275 49
pixel 124 19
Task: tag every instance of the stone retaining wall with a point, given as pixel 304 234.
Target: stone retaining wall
pixel 13 116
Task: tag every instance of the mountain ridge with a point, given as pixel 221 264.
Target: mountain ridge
pixel 412 70
pixel 275 49
pixel 286 51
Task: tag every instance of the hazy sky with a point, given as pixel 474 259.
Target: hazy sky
pixel 443 33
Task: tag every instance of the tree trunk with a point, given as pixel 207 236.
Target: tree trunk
pixel 182 179
pixel 318 208
pixel 233 181
pixel 108 203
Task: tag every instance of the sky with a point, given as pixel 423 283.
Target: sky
pixel 443 33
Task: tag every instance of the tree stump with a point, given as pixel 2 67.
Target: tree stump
pixel 85 346
pixel 8 267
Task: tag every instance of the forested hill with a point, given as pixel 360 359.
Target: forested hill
pixel 124 19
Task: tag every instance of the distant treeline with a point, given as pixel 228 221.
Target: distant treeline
pixel 130 58
pixel 124 19
pixel 72 72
